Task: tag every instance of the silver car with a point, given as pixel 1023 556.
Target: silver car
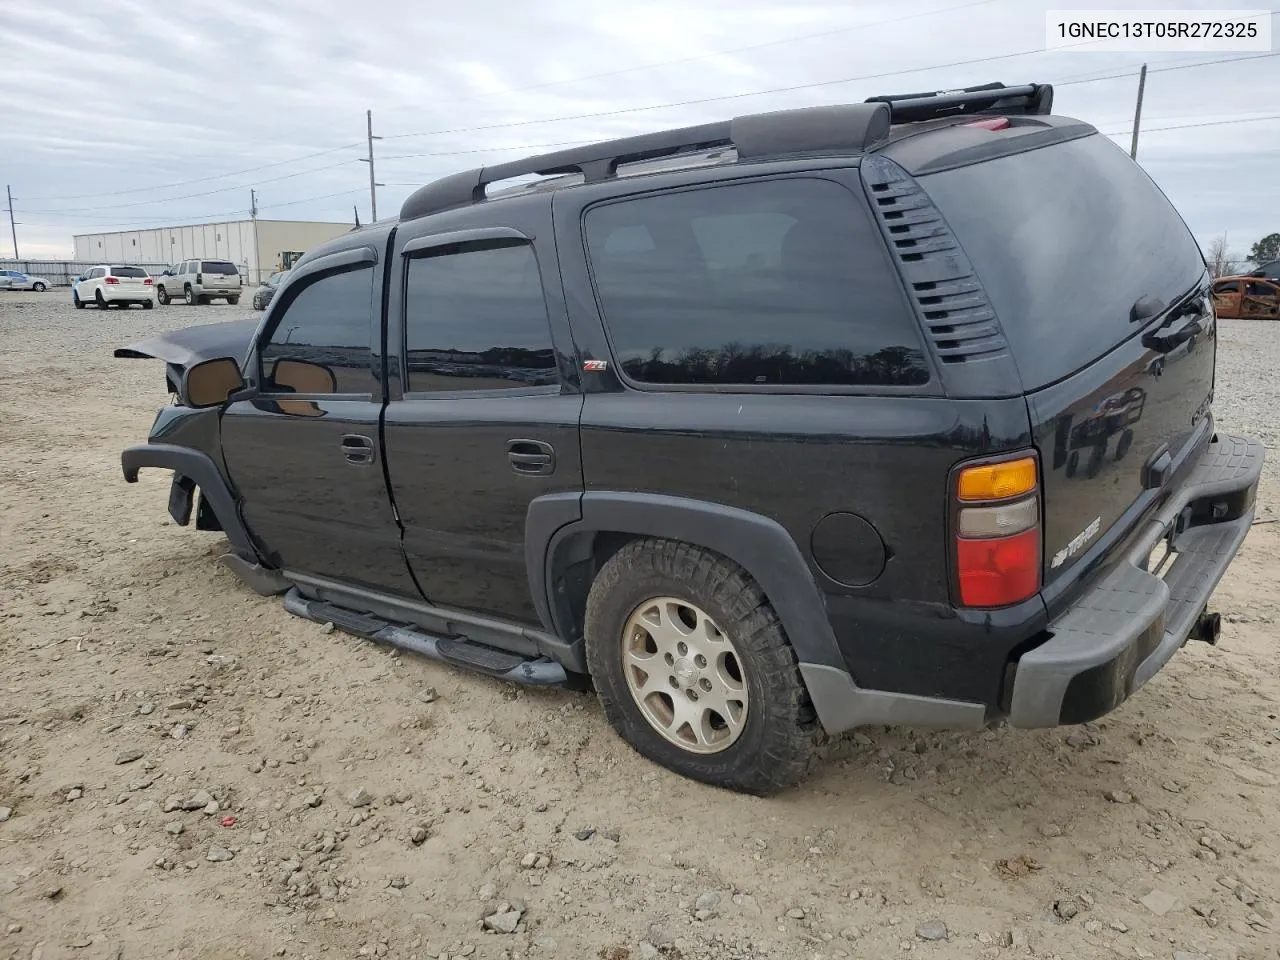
pixel 199 281
pixel 17 280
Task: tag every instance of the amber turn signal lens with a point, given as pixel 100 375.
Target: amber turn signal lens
pixel 997 481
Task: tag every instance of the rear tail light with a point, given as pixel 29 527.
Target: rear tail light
pixel 148 282
pixel 997 533
pixel 995 123
pixel 112 279
pixel 199 278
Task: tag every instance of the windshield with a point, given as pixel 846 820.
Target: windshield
pixel 137 272
pixel 220 267
pixel 1067 236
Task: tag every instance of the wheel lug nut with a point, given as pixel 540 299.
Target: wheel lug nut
pixel 693 694
pixel 671 661
pixel 683 648
pixel 700 660
pixel 675 684
pixel 705 684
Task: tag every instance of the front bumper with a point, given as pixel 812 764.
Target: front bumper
pixel 1130 623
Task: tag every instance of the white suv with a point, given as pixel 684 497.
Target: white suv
pixel 199 281
pixel 112 284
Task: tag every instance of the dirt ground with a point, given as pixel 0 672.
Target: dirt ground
pixel 348 801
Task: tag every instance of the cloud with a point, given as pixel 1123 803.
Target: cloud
pixel 117 95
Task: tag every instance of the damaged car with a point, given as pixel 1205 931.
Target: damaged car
pixel 766 429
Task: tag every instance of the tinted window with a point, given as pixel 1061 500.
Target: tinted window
pixel 137 272
pixel 1260 290
pixel 476 320
pixel 220 267
pixel 773 282
pixel 1065 240
pixel 324 334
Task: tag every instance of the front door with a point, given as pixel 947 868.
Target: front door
pixel 304 455
pixel 484 418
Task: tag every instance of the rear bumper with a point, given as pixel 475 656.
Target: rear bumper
pixel 118 293
pixel 1129 624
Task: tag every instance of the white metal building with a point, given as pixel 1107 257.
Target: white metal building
pixel 257 247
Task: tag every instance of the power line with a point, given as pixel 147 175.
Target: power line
pixel 721 53
pixel 206 193
pixel 757 93
pixel 1192 126
pixel 1165 69
pixel 219 176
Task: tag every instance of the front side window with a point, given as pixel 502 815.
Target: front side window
pixel 321 342
pixel 476 319
pixel 771 283
pixel 1227 286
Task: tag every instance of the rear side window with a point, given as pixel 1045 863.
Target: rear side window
pixel 476 319
pixel 1065 239
pixel 220 267
pixel 770 283
pixel 321 342
pixel 136 272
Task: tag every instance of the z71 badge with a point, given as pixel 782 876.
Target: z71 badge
pixel 1077 544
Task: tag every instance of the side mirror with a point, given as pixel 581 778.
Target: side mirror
pixel 210 382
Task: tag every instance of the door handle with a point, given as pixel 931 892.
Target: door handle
pixel 531 457
pixel 357 449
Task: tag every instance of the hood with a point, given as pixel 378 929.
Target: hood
pixel 190 345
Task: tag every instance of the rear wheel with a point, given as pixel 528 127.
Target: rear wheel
pixel 233 300
pixel 147 305
pixel 190 296
pixel 39 287
pixel 694 670
pixel 1096 456
pixel 1123 444
pixel 99 299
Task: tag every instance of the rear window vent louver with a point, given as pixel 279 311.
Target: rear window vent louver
pixel 944 290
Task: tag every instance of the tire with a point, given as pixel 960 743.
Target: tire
pixel 1123 444
pixel 147 304
pixel 1073 463
pixel 1096 456
pixel 233 300
pixel 678 582
pixel 76 301
pixel 190 296
pixel 99 299
pixel 162 298
pixel 39 287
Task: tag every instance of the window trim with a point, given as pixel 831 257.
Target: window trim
pixel 930 388
pixel 346 261
pixel 481 238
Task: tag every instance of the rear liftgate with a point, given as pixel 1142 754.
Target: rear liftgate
pixel 457 651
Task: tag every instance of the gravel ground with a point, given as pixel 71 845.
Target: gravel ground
pixel 186 771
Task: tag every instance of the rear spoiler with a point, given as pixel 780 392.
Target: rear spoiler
pixel 1026 100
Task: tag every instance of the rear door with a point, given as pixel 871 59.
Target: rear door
pixel 1104 297
pixel 1261 300
pixel 304 455
pixel 132 281
pixel 484 417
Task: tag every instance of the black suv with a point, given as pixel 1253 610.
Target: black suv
pixel 885 413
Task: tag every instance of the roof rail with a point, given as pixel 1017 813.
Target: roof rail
pixel 849 128
pixel 1028 99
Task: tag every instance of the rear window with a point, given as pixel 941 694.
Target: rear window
pixel 128 272
pixel 220 267
pixel 1065 239
pixel 771 283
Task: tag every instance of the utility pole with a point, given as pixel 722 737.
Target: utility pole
pixel 373 183
pixel 1137 112
pixel 13 226
pixel 253 215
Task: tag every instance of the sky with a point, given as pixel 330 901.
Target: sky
pixel 118 115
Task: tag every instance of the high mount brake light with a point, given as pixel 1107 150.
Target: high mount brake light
pixel 997 533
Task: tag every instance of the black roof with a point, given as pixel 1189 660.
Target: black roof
pixel 844 129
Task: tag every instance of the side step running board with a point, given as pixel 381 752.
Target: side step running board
pixel 456 651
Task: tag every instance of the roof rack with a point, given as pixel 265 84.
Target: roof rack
pixel 839 129
pixel 849 128
pixel 1028 99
